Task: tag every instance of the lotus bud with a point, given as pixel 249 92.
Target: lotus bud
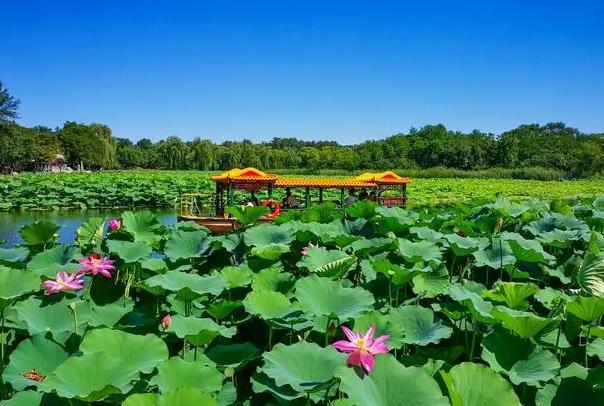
pixel 499 222
pixel 166 321
pixel 115 224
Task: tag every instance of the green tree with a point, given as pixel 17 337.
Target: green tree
pixel 9 106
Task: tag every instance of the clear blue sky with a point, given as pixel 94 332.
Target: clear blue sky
pixel 347 71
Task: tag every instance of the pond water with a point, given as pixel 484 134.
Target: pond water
pixel 68 220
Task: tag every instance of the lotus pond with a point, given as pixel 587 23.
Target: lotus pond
pixel 494 304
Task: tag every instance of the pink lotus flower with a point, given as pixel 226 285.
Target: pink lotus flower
pixel 95 264
pixel 304 251
pixel 115 224
pixel 166 321
pixel 361 347
pixel 64 283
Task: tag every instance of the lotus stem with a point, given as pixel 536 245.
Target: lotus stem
pixel 473 339
pixel 270 337
pixel 452 268
pixel 587 343
pixel 1 341
pixel 87 293
pixel 558 352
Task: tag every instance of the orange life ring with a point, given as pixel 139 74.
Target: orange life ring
pixel 274 206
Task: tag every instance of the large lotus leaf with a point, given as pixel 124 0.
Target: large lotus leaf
pixel 512 293
pixel 587 308
pixel 525 364
pixel 591 275
pixel 394 219
pixel 559 238
pixel 90 232
pixel 189 286
pixel 143 225
pixel 596 349
pixel 499 255
pixel 187 244
pixel 197 330
pixel 271 251
pixel 248 215
pixel 303 365
pixel 474 384
pixel 237 276
pixel 129 251
pixel 418 326
pixel 39 233
pixel 15 283
pixel 56 318
pixel 323 297
pixel 34 354
pixel 269 234
pixel 383 326
pixel 332 264
pixel 526 250
pixel 572 390
pixel 233 355
pixel 371 246
pixel 177 373
pixel 555 221
pixel 188 396
pixel 272 279
pixel 262 383
pixel 268 304
pixel 25 398
pixel 462 246
pixel 479 308
pixel 137 352
pixel 431 284
pixel 525 324
pixel 48 263
pixel 419 251
pixel 91 377
pixel 362 209
pixel 427 233
pixel 15 254
pixel 333 232
pixel 105 313
pixel 382 387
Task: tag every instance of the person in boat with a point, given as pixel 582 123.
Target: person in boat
pixel 363 195
pixel 253 200
pixel 290 201
pixel 352 197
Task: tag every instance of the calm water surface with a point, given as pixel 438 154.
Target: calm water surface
pixel 68 220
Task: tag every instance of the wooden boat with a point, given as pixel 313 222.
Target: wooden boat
pixel 210 210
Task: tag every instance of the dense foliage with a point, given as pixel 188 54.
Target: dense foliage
pixel 552 147
pixel 111 189
pixel 499 304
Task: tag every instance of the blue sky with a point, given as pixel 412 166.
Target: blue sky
pixel 347 71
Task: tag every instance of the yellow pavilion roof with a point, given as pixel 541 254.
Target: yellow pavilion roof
pixel 244 175
pixel 382 177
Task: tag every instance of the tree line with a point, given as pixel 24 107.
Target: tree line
pixel 553 146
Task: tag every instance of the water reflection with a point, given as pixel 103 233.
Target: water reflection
pixel 68 220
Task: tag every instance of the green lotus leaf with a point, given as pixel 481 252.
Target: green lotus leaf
pixel 248 215
pixel 587 308
pixel 498 256
pixel 525 324
pixel 426 233
pixel 269 234
pixel 220 309
pixel 57 259
pixel 39 233
pixel 197 330
pixel 512 293
pixel 394 219
pixel 154 265
pixel 383 326
pixel 526 250
pixel 15 283
pixel 138 352
pixel 596 349
pixel 371 246
pixel 56 318
pixel 268 304
pixel 176 373
pixel 548 297
pixel 186 244
pixel 332 264
pixel 233 355
pixel 572 390
pixel 421 251
pixel 474 384
pixel 525 364
pixel 418 326
pixel 362 209
pixel 180 397
pixel 559 238
pixel 143 226
pixel 25 398
pixel 262 383
pixel 237 276
pixel 90 232
pixel 431 284
pixel 189 286
pixel 16 254
pixel 303 365
pixel 34 354
pixel 555 221
pixel 323 297
pixel 272 279
pixel 462 246
pixel 270 252
pixel 480 309
pixel 591 275
pixel 129 251
pixel 382 387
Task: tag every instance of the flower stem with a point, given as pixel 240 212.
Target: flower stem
pixel 270 337
pixel 87 293
pixel 587 343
